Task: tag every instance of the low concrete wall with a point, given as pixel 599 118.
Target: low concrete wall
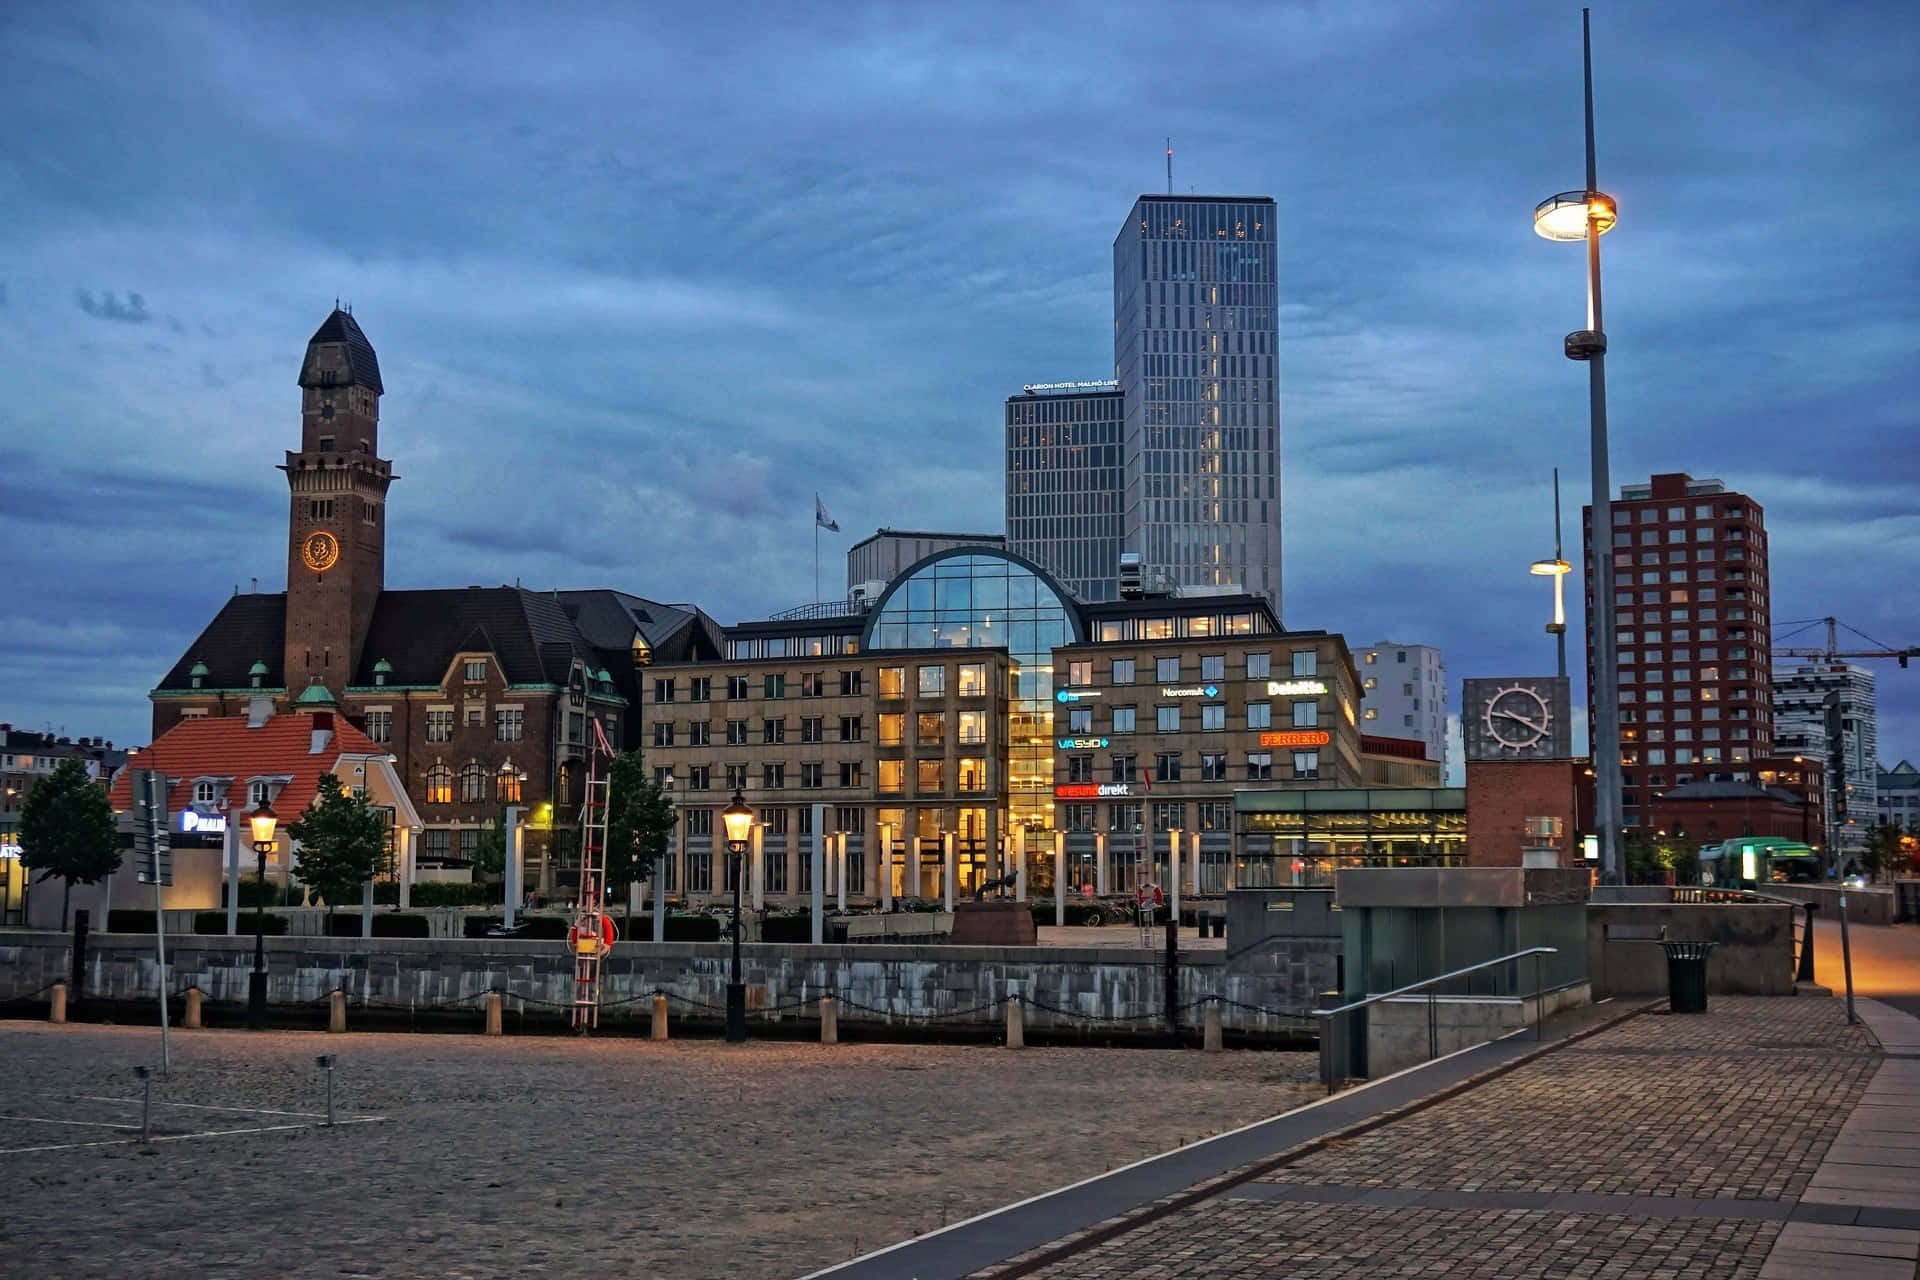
pixel 1864 906
pixel 1119 991
pixel 1753 955
pixel 1398 1035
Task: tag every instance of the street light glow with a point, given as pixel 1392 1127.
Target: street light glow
pixel 1564 216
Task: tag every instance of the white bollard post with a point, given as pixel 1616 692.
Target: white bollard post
pixel 757 882
pixel 818 853
pixel 1210 1036
pixel 886 866
pixel 1173 874
pixel 1016 1024
pixel 1193 863
pixel 659 1017
pixel 829 1020
pixel 840 869
pixel 514 869
pixel 1100 864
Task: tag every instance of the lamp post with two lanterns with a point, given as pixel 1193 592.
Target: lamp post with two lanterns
pixel 261 822
pixel 738 820
pixel 1573 216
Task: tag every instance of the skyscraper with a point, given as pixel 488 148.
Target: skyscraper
pixel 1195 354
pixel 1826 710
pixel 1693 622
pixel 1064 483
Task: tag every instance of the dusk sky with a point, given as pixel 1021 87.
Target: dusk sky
pixel 643 278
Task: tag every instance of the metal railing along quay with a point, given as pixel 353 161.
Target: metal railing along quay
pixel 1337 1024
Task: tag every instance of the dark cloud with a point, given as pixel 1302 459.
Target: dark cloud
pixel 108 307
pixel 642 282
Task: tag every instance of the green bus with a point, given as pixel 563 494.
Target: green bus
pixel 1759 860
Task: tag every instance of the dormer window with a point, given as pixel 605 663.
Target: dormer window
pixel 257 793
pixel 476 671
pixel 205 792
pixel 381 670
pixel 257 673
pixel 198 675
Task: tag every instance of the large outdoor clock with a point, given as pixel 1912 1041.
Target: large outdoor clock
pixel 320 551
pixel 1517 718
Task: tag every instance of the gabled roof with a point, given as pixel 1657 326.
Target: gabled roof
pixel 419 632
pixel 607 620
pixel 248 629
pixel 224 747
pixel 362 366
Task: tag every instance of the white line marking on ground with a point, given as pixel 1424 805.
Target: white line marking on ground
pixel 196 1106
pixel 186 1137
pixel 86 1124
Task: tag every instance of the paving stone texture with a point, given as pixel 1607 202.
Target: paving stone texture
pixel 559 1157
pixel 1739 1105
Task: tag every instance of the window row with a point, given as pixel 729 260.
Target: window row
pixel 474 782
pixel 1170 766
pixel 1172 718
pixel 509 723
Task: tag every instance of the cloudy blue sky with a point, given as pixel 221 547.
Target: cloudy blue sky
pixel 644 277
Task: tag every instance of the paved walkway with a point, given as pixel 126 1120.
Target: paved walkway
pixel 1766 1138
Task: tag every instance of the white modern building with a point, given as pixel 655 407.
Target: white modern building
pixel 1826 710
pixel 1899 796
pixel 1403 694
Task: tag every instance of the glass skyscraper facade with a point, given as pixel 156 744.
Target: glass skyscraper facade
pixel 1064 485
pixel 1195 353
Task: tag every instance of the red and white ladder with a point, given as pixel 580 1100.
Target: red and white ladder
pixel 592 934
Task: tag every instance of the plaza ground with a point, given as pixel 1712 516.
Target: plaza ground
pixel 556 1156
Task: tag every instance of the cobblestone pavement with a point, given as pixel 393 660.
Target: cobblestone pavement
pixel 1703 1113
pixel 560 1157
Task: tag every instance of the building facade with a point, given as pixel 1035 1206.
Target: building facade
pixel 482 694
pixel 976 704
pixel 1825 711
pixel 1196 356
pixel 1404 692
pixel 1064 484
pixel 1693 621
pixel 1897 796
pixel 25 758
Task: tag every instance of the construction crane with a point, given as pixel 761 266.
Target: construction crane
pixel 1833 652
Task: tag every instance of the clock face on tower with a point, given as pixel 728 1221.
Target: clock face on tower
pixel 320 551
pixel 1517 718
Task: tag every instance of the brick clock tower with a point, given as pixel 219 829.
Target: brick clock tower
pixel 337 518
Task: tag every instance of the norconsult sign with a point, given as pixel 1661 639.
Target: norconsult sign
pixel 1093 790
pixel 1190 691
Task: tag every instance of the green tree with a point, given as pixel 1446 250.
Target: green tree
pixel 1651 859
pixel 67 830
pixel 490 856
pixel 639 821
pixel 1884 854
pixel 342 842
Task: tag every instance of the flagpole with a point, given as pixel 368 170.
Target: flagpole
pixel 816 554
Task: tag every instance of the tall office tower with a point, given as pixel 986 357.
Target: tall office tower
pixel 1693 622
pixel 1826 710
pixel 1196 341
pixel 1403 693
pixel 1064 483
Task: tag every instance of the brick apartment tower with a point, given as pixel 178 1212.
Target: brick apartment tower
pixel 336 520
pixel 1695 631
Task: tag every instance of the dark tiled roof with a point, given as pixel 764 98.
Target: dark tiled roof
pixel 608 619
pixel 418 632
pixel 248 629
pixel 363 367
pixel 1729 791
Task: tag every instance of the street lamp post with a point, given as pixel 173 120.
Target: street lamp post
pixel 1586 216
pixel 738 819
pixel 261 821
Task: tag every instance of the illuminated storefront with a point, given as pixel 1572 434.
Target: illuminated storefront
pixel 1301 837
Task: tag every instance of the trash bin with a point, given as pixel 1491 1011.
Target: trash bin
pixel 1687 976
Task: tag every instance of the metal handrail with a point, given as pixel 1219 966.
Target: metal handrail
pixel 1445 977
pixel 1333 1046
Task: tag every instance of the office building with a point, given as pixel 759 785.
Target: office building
pixel 1825 711
pixel 1064 483
pixel 1897 796
pixel 1692 616
pixel 1195 356
pixel 1403 692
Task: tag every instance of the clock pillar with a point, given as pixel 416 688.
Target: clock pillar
pixel 337 519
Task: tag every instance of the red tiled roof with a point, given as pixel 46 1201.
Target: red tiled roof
pixel 224 747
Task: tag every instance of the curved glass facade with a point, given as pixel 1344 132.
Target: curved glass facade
pixel 974 599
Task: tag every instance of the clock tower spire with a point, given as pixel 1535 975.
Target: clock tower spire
pixel 337 517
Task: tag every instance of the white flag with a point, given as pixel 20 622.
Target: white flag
pixel 821 518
